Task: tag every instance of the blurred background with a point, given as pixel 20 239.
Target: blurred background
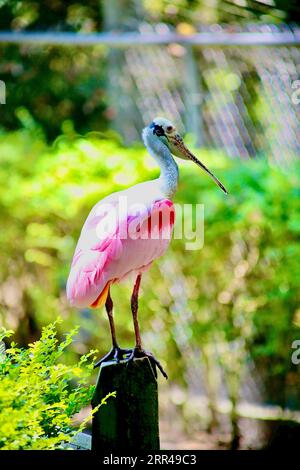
pixel 222 319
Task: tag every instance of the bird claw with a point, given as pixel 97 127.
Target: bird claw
pixel 115 354
pixel 139 353
pixel 118 354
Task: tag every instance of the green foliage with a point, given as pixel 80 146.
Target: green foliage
pixel 37 395
pixel 45 87
pixel 244 289
pixel 221 11
pixel 52 84
pixel 55 84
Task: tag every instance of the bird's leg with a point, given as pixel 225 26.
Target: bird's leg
pixel 138 350
pixel 109 310
pixel 134 310
pixel 116 352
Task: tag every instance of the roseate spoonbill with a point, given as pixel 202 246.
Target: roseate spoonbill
pixel 107 253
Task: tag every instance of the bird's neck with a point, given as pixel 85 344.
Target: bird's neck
pixel 168 179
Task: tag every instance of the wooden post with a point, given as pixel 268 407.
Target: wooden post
pixel 2 92
pixel 193 98
pixel 128 422
pixel 119 15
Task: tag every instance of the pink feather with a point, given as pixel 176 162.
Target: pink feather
pixel 122 249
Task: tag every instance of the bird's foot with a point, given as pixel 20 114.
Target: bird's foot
pixel 139 353
pixel 115 354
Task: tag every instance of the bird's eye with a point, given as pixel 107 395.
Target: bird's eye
pixel 158 130
pixel 169 129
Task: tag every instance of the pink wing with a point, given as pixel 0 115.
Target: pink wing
pixel 113 245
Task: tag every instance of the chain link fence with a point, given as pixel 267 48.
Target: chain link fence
pixel 236 90
pixel 242 100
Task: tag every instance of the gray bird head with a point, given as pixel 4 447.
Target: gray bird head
pixel 163 131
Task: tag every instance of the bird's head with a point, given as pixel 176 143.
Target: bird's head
pixel 162 130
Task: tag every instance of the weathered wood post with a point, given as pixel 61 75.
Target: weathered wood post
pixel 193 98
pixel 120 15
pixel 2 92
pixel 128 422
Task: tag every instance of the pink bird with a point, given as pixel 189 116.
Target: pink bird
pixel 126 231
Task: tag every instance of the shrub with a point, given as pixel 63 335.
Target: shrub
pixel 37 399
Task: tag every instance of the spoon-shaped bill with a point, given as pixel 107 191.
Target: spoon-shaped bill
pixel 180 150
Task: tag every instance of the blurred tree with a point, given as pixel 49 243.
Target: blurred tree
pixel 222 11
pixel 56 84
pixel 53 83
pixel 59 15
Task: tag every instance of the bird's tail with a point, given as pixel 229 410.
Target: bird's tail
pixel 101 299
